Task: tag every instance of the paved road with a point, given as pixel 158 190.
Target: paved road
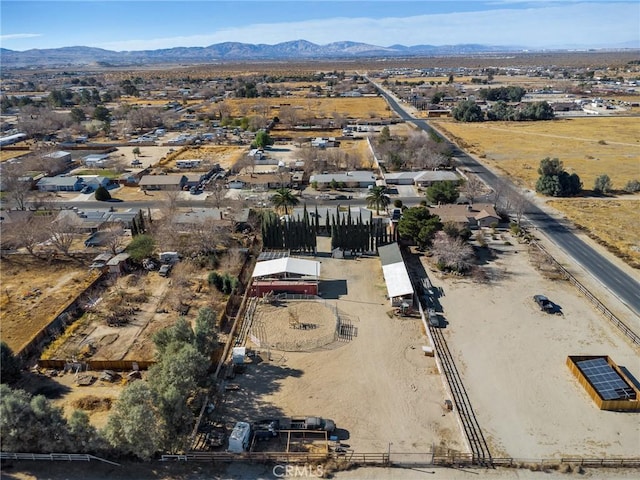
pixel 625 287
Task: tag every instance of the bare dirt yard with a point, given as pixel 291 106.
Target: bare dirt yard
pixel 35 291
pixel 513 357
pixel 378 387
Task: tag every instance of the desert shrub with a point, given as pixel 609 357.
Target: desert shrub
pixel 602 184
pixel 632 186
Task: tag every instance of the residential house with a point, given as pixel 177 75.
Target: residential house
pixel 262 181
pixel 60 183
pixel 354 179
pixel 429 177
pixel 472 216
pixel 175 181
pixel 95 181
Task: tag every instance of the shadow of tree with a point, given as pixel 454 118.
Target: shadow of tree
pixel 37 384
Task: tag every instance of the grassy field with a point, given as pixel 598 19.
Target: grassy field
pixel 587 146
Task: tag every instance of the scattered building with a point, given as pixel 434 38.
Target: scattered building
pixel 353 179
pixel 96 160
pixel 60 183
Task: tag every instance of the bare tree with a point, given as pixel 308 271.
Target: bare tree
pixel 453 253
pixel 115 238
pixel 288 115
pixel 27 231
pixel 218 192
pixel 15 186
pixel 62 233
pixel 472 188
pixel 518 204
pixel 224 110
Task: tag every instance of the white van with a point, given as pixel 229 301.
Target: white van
pixel 239 438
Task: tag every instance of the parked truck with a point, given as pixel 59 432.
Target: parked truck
pixel 307 423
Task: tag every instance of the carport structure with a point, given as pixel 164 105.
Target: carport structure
pixel 396 277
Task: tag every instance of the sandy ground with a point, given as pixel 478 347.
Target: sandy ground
pixel 27 470
pixel 512 358
pixel 379 387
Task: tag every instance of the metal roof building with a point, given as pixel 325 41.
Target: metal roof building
pixel 396 277
pixel 287 266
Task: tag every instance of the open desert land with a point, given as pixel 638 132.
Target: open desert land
pixel 512 359
pixel 378 387
pixel 588 147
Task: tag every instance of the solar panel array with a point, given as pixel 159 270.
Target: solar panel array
pixel 272 255
pixel 607 382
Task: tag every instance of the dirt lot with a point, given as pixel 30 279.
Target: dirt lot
pixel 512 357
pixel 379 387
pixel 34 292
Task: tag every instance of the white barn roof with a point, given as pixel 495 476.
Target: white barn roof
pixel 297 266
pixel 397 280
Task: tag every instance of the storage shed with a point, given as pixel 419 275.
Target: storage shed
pixel 287 274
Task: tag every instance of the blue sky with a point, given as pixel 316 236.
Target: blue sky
pixel 147 24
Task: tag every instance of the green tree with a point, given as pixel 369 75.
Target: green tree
pixel 555 181
pixel 262 140
pixel 442 192
pixel 602 184
pixel 31 424
pixel 141 247
pixel 180 332
pixel 102 194
pixel 135 424
pixel 283 199
pixel 385 134
pixel 136 152
pixel 377 198
pixel 206 331
pixel 418 226
pixel 468 111
pixel 10 365
pixel 77 115
pixel 82 435
pixel 102 113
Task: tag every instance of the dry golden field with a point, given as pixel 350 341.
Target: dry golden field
pixel 587 146
pixel 354 108
pixel 225 155
pixel 613 221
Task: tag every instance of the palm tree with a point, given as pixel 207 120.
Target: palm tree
pixel 378 198
pixel 284 198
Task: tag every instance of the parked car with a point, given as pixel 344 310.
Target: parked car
pixel 164 270
pixel 87 189
pixel 544 303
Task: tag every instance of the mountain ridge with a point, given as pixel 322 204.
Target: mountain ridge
pixel 238 51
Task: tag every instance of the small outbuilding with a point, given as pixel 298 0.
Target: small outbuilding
pixel 286 274
pixel 396 277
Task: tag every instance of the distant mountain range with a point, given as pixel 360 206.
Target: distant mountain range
pixel 235 51
pixel 231 51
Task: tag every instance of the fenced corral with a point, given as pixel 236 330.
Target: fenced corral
pixel 323 324
pixel 635 339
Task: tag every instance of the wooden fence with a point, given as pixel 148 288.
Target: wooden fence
pixel 118 365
